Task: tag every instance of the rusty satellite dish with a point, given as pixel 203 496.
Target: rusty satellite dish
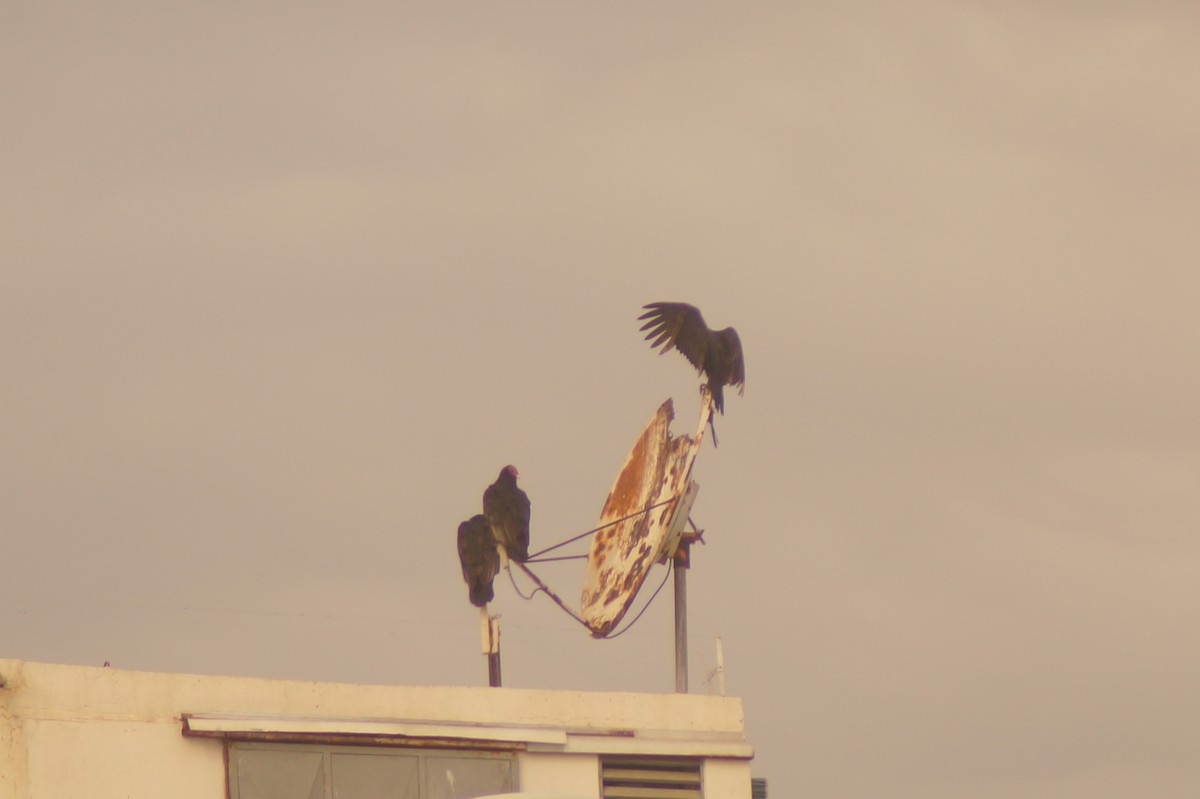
pixel 642 520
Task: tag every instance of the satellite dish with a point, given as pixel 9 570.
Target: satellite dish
pixel 642 520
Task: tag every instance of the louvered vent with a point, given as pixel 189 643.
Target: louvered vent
pixel 650 778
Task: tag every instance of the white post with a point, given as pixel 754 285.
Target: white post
pixel 489 633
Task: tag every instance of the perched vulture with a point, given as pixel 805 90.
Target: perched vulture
pixel 507 510
pixel 716 353
pixel 479 557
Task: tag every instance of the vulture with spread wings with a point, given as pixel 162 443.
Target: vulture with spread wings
pixel 507 510
pixel 716 353
pixel 479 558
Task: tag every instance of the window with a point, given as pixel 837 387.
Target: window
pixel 300 771
pixel 650 778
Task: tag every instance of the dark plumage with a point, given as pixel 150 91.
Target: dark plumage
pixel 479 558
pixel 507 510
pixel 716 353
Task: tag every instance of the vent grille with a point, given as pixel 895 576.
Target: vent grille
pixel 650 778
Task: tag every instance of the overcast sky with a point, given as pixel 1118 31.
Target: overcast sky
pixel 283 287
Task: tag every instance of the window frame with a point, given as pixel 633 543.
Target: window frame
pixel 422 753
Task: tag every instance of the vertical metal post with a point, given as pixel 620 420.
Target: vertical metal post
pixel 681 653
pixel 489 632
pixel 494 667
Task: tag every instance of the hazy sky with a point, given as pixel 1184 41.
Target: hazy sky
pixel 283 288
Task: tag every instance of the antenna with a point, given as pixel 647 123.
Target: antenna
pixel 717 673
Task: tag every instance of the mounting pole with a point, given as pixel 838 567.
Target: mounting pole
pixel 681 652
pixel 494 667
pixel 683 553
pixel 489 632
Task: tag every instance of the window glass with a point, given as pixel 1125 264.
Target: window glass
pixel 303 771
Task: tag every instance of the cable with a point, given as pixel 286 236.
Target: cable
pixel 649 602
pixel 561 557
pixel 573 539
pixel 546 590
pixel 541 586
pixel 513 580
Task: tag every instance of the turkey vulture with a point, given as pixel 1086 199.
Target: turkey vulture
pixel 507 510
pixel 716 353
pixel 479 558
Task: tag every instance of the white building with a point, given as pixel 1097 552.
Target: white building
pixel 75 731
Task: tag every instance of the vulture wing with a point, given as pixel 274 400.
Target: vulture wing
pixel 678 325
pixel 479 558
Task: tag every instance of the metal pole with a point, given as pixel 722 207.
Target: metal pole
pixel 489 630
pixel 494 667
pixel 681 653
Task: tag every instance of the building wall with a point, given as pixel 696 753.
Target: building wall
pixel 71 731
pixel 575 775
pixel 117 759
pixel 726 779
